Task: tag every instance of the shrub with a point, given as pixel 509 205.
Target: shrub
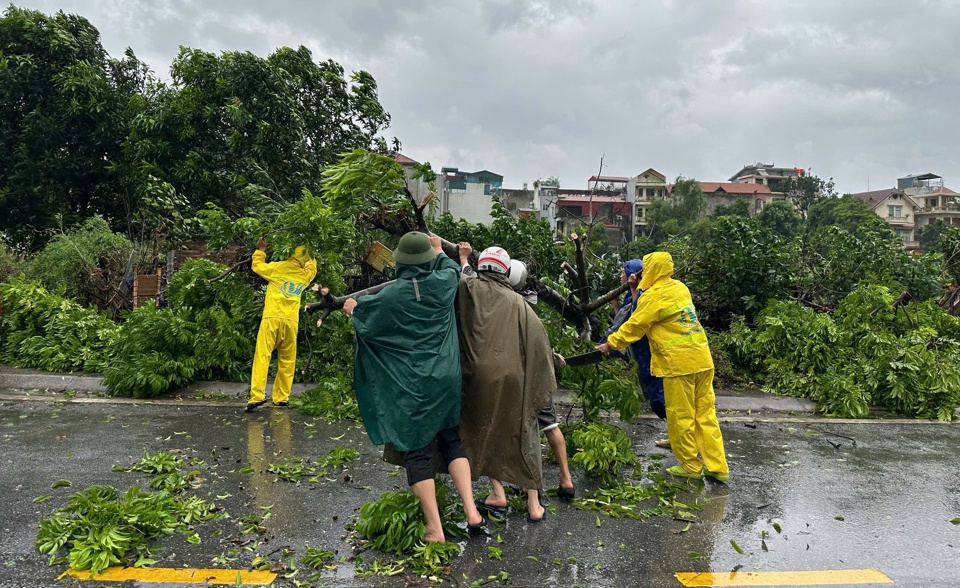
pixel 49 332
pixel 207 333
pixel 89 263
pixel 872 351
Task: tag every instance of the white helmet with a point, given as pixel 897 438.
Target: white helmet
pixel 518 274
pixel 494 259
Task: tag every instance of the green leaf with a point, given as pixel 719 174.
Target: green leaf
pixel 736 547
pixel 61 484
pixel 42 498
pixel 955 520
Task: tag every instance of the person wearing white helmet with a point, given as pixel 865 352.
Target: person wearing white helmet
pixel 547 419
pixel 507 366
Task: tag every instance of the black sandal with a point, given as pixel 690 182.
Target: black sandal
pixel 499 511
pixel 566 493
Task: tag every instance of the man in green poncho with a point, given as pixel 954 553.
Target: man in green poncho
pixel 407 372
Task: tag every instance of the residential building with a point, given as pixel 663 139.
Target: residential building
pixel 416 186
pixel 916 202
pixel 642 190
pixel 768 175
pixel 519 202
pixel 934 200
pixel 587 207
pixel 726 193
pixel 895 207
pixel 545 198
pixel 468 195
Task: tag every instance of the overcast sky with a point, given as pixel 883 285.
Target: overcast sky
pixel 857 90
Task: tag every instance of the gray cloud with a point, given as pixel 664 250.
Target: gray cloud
pixel 855 90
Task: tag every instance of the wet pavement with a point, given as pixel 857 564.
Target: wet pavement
pixel 805 494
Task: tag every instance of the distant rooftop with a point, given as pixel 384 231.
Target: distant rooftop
pixel 403 159
pixel 608 179
pixel 729 188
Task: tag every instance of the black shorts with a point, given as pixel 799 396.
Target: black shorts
pixel 547 419
pixel 418 462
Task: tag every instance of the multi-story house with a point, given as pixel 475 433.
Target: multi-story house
pixel 767 175
pixel 895 207
pixel 642 190
pixel 468 195
pixel 588 207
pixel 916 202
pixel 519 202
pixel 726 193
pixel 935 202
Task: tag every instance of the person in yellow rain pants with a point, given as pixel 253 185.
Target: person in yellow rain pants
pixel 681 356
pixel 286 281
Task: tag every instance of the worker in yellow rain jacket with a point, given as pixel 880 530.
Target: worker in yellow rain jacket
pixel 681 356
pixel 286 281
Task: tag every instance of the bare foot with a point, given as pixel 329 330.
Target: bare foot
pixel 535 512
pixel 433 536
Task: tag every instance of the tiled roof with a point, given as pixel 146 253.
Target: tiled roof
pixel 403 159
pixel 729 188
pixel 608 179
pixel 875 197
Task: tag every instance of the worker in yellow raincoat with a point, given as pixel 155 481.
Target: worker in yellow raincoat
pixel 286 281
pixel 681 356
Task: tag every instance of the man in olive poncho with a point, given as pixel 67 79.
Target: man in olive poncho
pixel 407 372
pixel 508 377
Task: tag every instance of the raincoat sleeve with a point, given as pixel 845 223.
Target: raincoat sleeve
pixel 636 326
pixel 311 267
pixel 261 267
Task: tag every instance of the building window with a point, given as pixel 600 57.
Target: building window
pixel 895 211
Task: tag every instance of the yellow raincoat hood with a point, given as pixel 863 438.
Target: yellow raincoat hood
pixel 656 265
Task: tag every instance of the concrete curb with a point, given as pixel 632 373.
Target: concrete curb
pixel 19 379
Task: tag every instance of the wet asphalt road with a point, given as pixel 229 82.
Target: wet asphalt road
pixel 845 495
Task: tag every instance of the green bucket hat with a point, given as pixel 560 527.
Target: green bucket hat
pixel 414 248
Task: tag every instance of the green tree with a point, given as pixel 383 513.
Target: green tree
pixel 679 211
pixel 64 107
pixel 735 246
pixel 781 218
pixel 805 191
pixel 89 263
pixel 929 235
pixel 848 213
pixel 736 208
pixel 241 131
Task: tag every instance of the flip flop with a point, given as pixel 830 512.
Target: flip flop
pixel 478 528
pixel 534 521
pixel 499 511
pixel 566 493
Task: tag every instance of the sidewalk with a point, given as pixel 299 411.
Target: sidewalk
pixel 12 378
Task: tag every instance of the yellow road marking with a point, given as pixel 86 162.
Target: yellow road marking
pixel 814 578
pixel 183 575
